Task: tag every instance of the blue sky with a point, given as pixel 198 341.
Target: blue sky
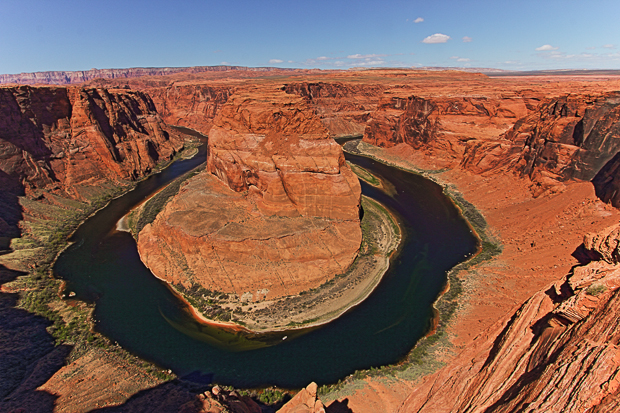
pixel 41 35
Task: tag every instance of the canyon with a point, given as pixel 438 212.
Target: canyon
pixel 536 155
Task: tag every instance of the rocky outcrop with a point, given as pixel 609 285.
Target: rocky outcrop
pixel 306 401
pixel 557 353
pixel 283 217
pixel 572 137
pixel 273 145
pixel 607 183
pixel 219 400
pixel 606 244
pixel 67 141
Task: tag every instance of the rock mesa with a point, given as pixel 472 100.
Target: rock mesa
pixel 275 213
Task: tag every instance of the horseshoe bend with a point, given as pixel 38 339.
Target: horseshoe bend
pixel 276 214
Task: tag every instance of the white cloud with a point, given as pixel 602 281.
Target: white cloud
pixel 460 59
pixel 224 63
pixel 273 61
pixel 364 56
pixel 546 47
pixel 467 39
pixel 352 60
pixel 377 62
pixel 609 46
pixel 367 59
pixel 436 38
pixel 596 60
pixel 418 20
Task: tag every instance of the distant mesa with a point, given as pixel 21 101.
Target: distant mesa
pixel 81 76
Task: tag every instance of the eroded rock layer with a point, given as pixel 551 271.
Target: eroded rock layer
pixel 190 105
pixel 442 125
pixel 343 108
pixel 571 137
pixel 80 76
pixel 283 217
pixel 68 141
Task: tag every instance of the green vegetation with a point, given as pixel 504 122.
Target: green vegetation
pixel 364 175
pixel 596 289
pixel 272 396
pixel 208 302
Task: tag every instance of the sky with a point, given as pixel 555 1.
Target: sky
pixel 45 35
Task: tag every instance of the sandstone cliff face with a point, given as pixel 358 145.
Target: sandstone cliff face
pixel 572 137
pixel 190 105
pixel 558 352
pixel 343 108
pixel 283 217
pixel 442 125
pixel 274 146
pixel 70 140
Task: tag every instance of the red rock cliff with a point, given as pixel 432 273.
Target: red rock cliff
pixel 442 125
pixel 571 137
pixel 283 217
pixel 190 105
pixel 70 140
pixel 343 107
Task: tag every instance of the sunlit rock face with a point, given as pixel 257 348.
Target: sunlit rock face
pixel 574 137
pixel 443 126
pixel 275 213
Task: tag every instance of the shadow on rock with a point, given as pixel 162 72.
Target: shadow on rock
pixel 339 406
pixel 167 397
pixel 10 211
pixel 585 256
pixel 28 356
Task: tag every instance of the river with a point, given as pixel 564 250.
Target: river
pixel 134 308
